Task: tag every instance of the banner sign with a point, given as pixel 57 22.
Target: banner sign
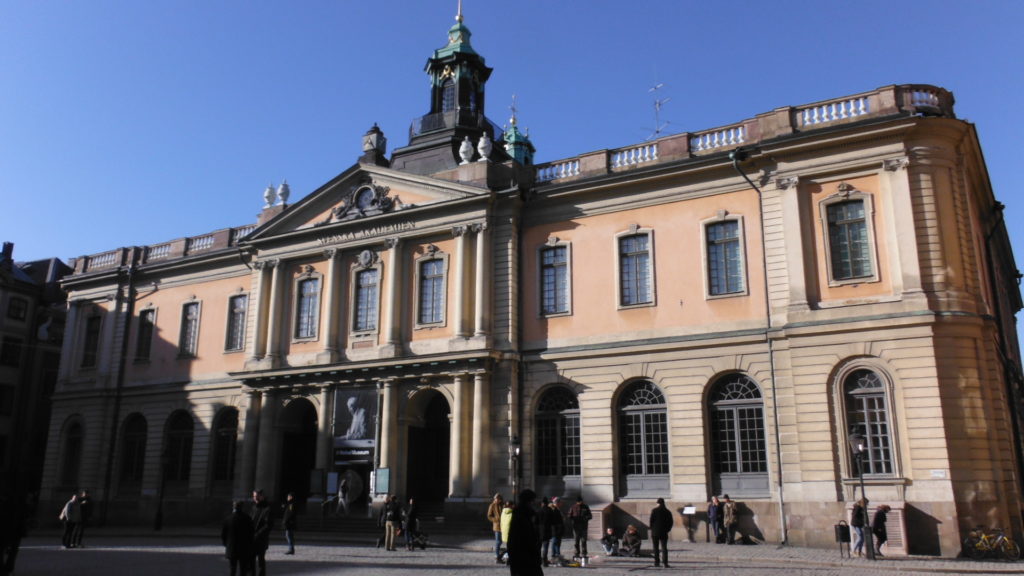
pixel 355 425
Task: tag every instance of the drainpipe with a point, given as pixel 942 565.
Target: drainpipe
pixel 119 384
pixel 739 155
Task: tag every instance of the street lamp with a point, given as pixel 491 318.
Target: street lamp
pixel 513 452
pixel 859 447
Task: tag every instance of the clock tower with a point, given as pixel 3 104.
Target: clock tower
pixel 457 79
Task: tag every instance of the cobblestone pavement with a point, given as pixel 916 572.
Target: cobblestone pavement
pixel 198 554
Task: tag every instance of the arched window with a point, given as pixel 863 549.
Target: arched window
pixel 225 442
pixel 739 454
pixel 867 414
pixel 177 454
pixel 133 454
pixel 557 426
pixel 643 440
pixel 71 457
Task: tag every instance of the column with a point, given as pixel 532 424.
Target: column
pixel 68 350
pixel 266 462
pixel 483 276
pixel 258 306
pixel 388 428
pixel 461 249
pixel 394 308
pixel 458 465
pixel 329 351
pixel 250 436
pixel 797 253
pixel 274 316
pixel 481 436
pixel 324 439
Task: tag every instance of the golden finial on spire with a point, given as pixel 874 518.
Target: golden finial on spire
pixel 458 17
pixel 511 120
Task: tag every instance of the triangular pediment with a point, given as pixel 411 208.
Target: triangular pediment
pixel 360 193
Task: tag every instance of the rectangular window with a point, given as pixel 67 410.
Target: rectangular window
pixel 237 308
pixel 189 337
pixel 144 344
pixel 725 265
pixel 554 278
pixel 432 291
pixel 367 286
pixel 6 400
pixel 91 344
pixel 17 308
pixel 10 351
pixel 307 309
pixel 849 245
pixel 635 270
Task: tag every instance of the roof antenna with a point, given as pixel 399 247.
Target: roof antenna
pixel 659 127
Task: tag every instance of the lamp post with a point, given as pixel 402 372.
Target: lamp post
pixel 513 452
pixel 859 447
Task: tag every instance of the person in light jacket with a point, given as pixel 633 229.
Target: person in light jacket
pixel 494 516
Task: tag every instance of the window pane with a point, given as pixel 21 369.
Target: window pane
pixel 554 280
pixel 189 329
pixel 547 445
pixel 133 452
pixel 634 267
pixel 366 301
pixel 307 314
pixel 643 427
pixel 867 414
pixel 725 269
pixel 178 448
pixel 225 439
pixel 145 339
pixel 738 433
pixel 92 341
pixel 72 459
pixel 431 291
pixel 848 240
pixel 237 309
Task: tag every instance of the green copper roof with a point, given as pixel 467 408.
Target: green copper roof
pixel 458 42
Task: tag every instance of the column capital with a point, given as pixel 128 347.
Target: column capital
pixel 895 164
pixel 787 182
pixel 460 230
pixel 330 253
pixel 478 227
pixel 266 264
pixel 392 243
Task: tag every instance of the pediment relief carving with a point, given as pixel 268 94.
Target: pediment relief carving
pixel 363 199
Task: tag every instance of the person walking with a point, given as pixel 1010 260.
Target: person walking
pixel 729 519
pixel 878 528
pixel 715 517
pixel 494 516
pixel 523 546
pixel 288 521
pixel 70 515
pixel 557 529
pixel 85 504
pixel 262 524
pixel 579 518
pixel 237 536
pixel 858 519
pixel 506 524
pixel 661 524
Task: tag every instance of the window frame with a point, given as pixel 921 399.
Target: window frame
pixel 554 244
pixel 92 335
pixel 431 256
pixel 230 324
pixel 132 465
pixel 144 334
pixel 647 483
pixel 315 308
pixel 192 348
pixel 177 452
pixel 758 482
pixel 224 452
pixel 17 313
pixel 885 394
pixel 848 194
pixel 741 242
pixel 651 276
pixel 565 450
pixel 69 472
pixel 357 272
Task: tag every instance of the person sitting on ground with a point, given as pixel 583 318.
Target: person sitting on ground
pixel 630 542
pixel 610 543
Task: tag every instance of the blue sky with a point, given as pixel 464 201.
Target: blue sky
pixel 136 122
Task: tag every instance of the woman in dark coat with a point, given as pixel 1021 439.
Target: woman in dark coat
pixel 523 543
pixel 237 537
pixel 878 528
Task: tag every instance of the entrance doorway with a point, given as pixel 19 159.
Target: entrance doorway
pixel 298 449
pixel 429 448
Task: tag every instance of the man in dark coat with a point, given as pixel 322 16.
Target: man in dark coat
pixel 580 516
pixel 523 543
pixel 661 525
pixel 85 503
pixel 237 536
pixel 261 523
pixel 288 521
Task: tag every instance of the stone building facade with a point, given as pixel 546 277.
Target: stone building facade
pixel 710 312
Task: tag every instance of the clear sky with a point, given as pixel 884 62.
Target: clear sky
pixel 127 122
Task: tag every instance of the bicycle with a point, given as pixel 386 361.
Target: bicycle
pixel 981 543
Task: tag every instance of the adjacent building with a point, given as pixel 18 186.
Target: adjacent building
pixel 710 312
